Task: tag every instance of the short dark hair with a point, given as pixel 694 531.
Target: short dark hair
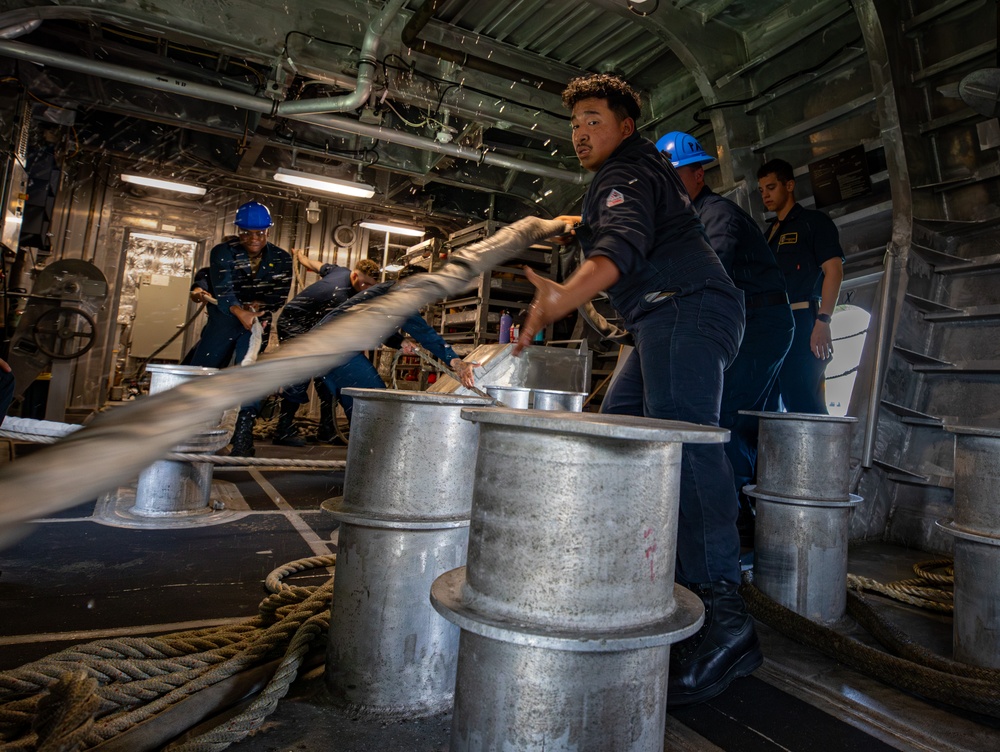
pixel 781 169
pixel 622 99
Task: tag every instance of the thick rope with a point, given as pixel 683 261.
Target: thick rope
pixel 981 695
pixel 916 591
pixel 88 694
pixel 76 469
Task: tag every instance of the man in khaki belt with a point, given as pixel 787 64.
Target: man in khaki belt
pixel 807 246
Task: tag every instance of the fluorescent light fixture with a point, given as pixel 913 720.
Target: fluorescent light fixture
pixel 393 229
pixel 321 183
pixel 161 238
pixel 166 185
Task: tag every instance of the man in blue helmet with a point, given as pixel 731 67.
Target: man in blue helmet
pixel 645 245
pixel 748 260
pixel 251 278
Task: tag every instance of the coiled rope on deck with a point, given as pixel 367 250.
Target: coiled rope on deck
pixel 86 695
pixel 908 666
pixel 917 591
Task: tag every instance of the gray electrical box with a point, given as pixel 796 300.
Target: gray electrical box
pixel 160 310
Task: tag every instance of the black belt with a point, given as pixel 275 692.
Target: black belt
pixel 766 299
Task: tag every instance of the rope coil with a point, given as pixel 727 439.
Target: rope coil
pixel 85 695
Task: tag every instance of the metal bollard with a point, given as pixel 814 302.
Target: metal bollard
pixel 553 399
pixel 404 520
pixel 171 488
pixel 803 512
pixel 568 604
pixel 976 528
pixel 511 396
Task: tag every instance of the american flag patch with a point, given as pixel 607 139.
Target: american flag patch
pixel 614 198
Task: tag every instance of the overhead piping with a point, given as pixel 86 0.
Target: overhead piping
pixel 265 106
pixel 419 20
pixel 19 30
pixel 367 66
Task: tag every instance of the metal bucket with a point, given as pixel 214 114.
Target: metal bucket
pixel 803 456
pixel 170 488
pixel 404 521
pixel 976 528
pixel 567 604
pixel 518 397
pixel 553 399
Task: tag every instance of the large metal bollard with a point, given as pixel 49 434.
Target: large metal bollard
pixel 172 488
pixel 803 512
pixel 568 604
pixel 976 528
pixel 404 520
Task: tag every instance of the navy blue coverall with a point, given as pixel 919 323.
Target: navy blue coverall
pixel 358 371
pixel 748 260
pixel 686 318
pixel 306 309
pixel 235 283
pixel 801 242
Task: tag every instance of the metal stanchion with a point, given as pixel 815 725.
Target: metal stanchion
pixel 171 488
pixel 803 510
pixel 568 604
pixel 976 528
pixel 404 520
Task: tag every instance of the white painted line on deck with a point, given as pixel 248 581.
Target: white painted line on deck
pixel 317 544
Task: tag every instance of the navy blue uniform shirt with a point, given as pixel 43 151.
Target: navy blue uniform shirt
pixel 742 248
pixel 415 326
pixel 235 283
pixel 801 242
pixel 305 310
pixel 638 214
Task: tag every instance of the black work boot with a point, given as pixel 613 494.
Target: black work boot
pixel 286 434
pixel 326 432
pixel 725 648
pixel 242 443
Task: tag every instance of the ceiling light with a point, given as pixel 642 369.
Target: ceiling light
pixel 167 185
pixel 393 229
pixel 322 183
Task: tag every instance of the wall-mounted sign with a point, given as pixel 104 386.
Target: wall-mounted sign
pixel 840 177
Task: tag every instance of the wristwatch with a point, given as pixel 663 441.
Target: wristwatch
pixel 824 317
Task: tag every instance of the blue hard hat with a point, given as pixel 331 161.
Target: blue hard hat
pixel 253 216
pixel 682 149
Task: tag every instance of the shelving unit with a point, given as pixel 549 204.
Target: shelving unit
pixel 475 319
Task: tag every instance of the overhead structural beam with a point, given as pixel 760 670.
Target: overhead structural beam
pixel 268 107
pixel 411 39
